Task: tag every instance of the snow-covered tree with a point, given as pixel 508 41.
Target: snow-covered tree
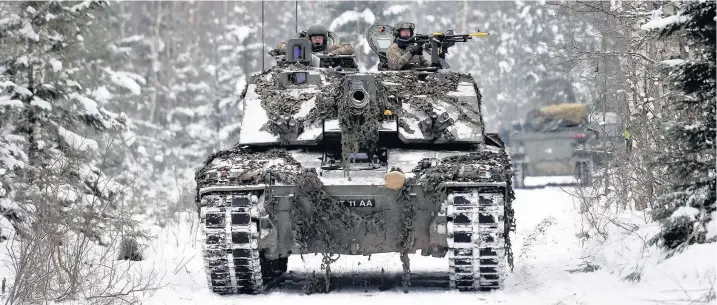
pixel 350 21
pixel 687 208
pixel 48 146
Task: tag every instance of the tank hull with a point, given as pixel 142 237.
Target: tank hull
pixel 260 224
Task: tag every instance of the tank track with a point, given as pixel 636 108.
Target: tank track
pixel 476 242
pixel 230 242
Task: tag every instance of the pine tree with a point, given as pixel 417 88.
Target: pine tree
pixel 689 203
pixel 60 177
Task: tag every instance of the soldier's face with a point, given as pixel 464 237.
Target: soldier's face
pixel 405 33
pixel 317 39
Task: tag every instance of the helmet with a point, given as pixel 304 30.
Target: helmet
pixel 402 42
pixel 318 30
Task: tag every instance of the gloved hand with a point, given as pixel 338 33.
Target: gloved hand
pixel 417 50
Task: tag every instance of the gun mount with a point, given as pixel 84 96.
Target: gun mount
pixel 437 44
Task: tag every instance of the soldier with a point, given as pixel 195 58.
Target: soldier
pixel 399 53
pixel 319 43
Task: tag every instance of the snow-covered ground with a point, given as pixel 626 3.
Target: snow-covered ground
pixel 546 247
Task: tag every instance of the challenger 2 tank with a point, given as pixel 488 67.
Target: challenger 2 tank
pixel 337 161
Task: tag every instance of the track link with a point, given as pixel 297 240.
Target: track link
pixel 476 243
pixel 230 242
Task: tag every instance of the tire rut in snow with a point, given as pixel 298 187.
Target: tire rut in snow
pixel 526 275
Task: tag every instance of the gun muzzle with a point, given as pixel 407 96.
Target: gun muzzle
pixel 359 96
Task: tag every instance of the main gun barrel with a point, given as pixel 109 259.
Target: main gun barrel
pixel 359 96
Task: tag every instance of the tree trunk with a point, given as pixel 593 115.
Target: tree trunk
pixel 155 62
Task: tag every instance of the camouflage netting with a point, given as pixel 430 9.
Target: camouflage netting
pixel 360 133
pixel 434 88
pixel 316 225
pixel 312 226
pixel 452 169
pixel 282 106
pixel 360 127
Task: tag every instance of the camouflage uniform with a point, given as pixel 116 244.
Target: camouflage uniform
pixel 398 58
pixel 336 49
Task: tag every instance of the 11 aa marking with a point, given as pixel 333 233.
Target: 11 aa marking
pixel 358 203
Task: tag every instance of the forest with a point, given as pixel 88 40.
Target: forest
pixel 108 109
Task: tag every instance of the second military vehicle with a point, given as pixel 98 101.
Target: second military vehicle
pixel 336 161
pixel 558 140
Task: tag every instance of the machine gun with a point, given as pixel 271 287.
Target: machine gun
pixel 438 44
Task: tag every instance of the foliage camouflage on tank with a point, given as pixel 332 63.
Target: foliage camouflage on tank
pixel 249 166
pixel 405 88
pixel 455 200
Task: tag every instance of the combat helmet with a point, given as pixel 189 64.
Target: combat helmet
pixel 318 30
pixel 402 42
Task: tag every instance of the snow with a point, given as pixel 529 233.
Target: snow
pixel 133 38
pixel 6 231
pixel 225 131
pixel 126 80
pixel 545 248
pixel 253 119
pixel 12 19
pixel 76 141
pixel 88 104
pixel 239 32
pixel 505 67
pixel 102 94
pixel 6 101
pixel 67 193
pixel 22 60
pixel 241 84
pixel 28 32
pixel 9 205
pixel 396 9
pixel 56 65
pixel 367 16
pixel 36 101
pixel 663 22
pixel 306 107
pixel 21 90
pixel 688 212
pixel 548 180
pixel 82 5
pixel 673 62
pixel 712 226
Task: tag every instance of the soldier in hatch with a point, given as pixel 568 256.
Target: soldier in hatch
pixel 319 43
pixel 399 54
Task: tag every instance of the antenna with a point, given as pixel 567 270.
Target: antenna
pixel 296 16
pixel 262 36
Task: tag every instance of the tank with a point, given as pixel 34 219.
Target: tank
pixel 564 139
pixel 336 161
